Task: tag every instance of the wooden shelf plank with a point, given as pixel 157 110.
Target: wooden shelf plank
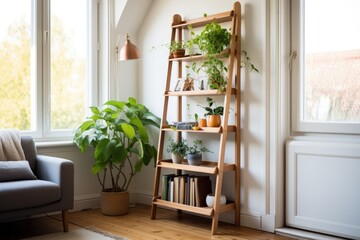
pixel 206 166
pixel 227 207
pixel 207 211
pixel 188 58
pixel 200 210
pixel 199 22
pixel 198 93
pixel 198 57
pixel 231 128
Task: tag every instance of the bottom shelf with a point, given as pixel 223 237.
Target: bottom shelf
pixel 207 211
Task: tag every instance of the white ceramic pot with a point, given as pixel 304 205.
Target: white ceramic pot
pixel 210 200
pixel 176 158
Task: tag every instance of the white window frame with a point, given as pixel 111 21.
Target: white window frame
pixel 296 67
pixel 41 67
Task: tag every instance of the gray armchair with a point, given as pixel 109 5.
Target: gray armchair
pixel 51 191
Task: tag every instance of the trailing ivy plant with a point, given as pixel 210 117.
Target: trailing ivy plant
pixel 213 39
pixel 117 132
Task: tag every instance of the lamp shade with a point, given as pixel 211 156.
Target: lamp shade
pixel 128 51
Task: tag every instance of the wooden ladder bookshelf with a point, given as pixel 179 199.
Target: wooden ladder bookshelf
pixel 219 167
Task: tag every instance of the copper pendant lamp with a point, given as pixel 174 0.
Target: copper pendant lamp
pixel 129 51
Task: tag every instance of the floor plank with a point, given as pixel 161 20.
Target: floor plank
pixel 168 225
pixel 136 225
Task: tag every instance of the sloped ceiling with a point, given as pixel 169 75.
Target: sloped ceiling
pixel 131 15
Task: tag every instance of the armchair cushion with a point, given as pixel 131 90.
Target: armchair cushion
pixel 15 170
pixel 17 195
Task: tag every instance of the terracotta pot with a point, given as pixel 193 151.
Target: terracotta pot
pixel 179 53
pixel 114 203
pixel 202 122
pixel 214 121
pixel 177 158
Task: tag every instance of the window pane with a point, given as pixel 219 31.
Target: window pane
pixel 332 61
pixel 68 63
pixel 15 59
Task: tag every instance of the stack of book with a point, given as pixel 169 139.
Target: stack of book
pixel 186 189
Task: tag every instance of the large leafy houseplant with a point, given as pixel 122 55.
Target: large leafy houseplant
pixel 118 133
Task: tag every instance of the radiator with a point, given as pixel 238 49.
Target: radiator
pixel 323 187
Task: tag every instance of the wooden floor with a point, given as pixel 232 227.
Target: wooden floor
pixel 168 225
pixel 138 225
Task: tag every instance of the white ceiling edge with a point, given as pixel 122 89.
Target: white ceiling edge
pixel 130 14
pixel 119 6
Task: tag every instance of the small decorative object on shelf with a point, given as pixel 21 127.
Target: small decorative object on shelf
pixel 188 84
pixel 210 200
pixel 202 122
pixel 183 125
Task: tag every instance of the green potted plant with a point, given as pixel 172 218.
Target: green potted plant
pixel 117 132
pixel 177 150
pixel 178 48
pixel 213 41
pixel 213 113
pixel 194 153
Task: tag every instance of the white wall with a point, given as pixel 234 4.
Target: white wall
pixel 155 31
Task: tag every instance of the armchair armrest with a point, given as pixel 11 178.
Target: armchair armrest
pixel 59 171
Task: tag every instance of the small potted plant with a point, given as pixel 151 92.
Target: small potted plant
pixel 177 150
pixel 213 114
pixel 178 49
pixel 194 153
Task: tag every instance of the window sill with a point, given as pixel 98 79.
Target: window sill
pixel 54 144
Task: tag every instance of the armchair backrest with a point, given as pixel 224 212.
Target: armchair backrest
pixel 29 149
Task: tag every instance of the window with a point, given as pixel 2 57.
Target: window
pixel 44 52
pixel 326 70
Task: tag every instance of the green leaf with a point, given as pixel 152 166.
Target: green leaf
pixel 132 101
pixel 94 110
pixel 96 117
pixel 135 151
pixel 128 130
pixel 141 129
pixel 149 154
pixel 152 118
pixel 141 150
pixel 109 149
pixel 119 154
pixel 99 153
pixel 138 165
pixel 116 104
pixel 86 125
pixel 98 166
pixel 107 110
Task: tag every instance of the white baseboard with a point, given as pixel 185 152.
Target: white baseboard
pixel 83 202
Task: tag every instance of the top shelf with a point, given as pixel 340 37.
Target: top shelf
pixel 200 22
